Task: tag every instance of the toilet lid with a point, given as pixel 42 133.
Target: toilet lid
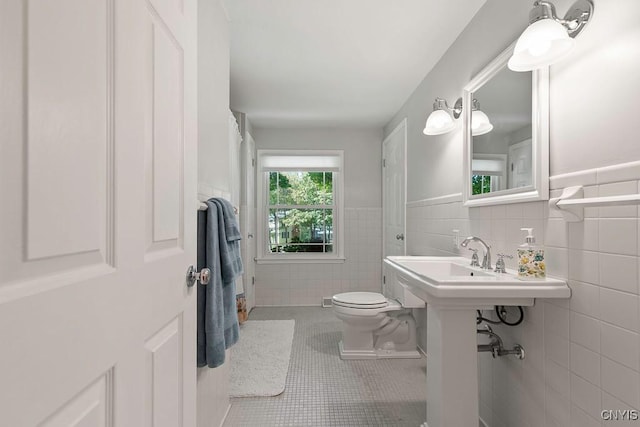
pixel 361 299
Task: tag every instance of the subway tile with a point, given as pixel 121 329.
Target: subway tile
pixel 585 363
pixel 616 189
pixel 514 211
pixel 515 236
pixel 583 266
pixel 621 382
pixel 580 418
pixel 585 331
pixel 619 272
pixel 557 409
pixel 498 230
pixel 586 396
pixel 556 320
pixel 533 210
pixel 619 308
pixel 620 345
pixel 557 260
pixel 557 377
pixel 585 298
pixel 584 235
pixel 498 212
pixel 619 236
pixel 555 233
pixel 557 349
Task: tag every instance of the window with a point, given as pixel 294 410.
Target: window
pixel 488 173
pixel 300 205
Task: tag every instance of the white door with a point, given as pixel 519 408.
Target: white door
pixel 248 217
pixel 97 212
pixel 393 192
pixel 520 171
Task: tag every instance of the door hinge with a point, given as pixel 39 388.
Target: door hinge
pixel 253 162
pixel 384 280
pixel 253 280
pixel 384 163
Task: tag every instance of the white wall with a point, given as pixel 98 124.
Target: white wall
pixel 362 157
pixel 213 96
pixel 213 168
pixel 306 284
pixel 583 354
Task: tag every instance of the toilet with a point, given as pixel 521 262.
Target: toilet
pixel 378 325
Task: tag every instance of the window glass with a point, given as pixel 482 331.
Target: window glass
pixel 292 226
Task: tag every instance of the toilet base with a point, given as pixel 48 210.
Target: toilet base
pixel 362 354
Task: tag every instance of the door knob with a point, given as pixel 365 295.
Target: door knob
pixel 203 276
pixel 400 236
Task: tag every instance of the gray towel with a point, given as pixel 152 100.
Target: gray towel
pixel 230 259
pixel 219 250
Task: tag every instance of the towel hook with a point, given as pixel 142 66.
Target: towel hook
pixel 203 276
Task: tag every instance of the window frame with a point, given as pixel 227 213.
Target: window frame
pixel 264 256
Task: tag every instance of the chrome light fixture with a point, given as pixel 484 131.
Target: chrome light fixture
pixel 440 121
pixel 480 123
pixel 548 38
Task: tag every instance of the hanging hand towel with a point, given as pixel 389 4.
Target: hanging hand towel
pixel 218 250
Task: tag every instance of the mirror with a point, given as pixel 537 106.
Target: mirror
pixel 506 135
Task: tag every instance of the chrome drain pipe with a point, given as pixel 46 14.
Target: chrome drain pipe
pixel 496 347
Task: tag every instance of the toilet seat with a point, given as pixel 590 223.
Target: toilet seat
pixel 360 300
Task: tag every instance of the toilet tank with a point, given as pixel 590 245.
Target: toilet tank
pixel 394 289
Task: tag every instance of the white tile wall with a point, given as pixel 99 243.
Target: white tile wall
pixel 583 354
pixel 298 284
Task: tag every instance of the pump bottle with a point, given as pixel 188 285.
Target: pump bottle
pixel 531 264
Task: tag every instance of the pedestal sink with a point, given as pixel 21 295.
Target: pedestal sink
pixel 453 292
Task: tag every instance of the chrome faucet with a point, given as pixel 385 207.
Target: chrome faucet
pixel 486 258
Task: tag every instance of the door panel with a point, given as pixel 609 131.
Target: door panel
pixel 394 193
pixel 164 364
pixel 76 70
pixel 165 152
pixel 97 213
pixel 93 407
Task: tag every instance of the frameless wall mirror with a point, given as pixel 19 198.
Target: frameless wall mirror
pixel 506 135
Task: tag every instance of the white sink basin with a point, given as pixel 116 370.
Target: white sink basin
pixel 452 281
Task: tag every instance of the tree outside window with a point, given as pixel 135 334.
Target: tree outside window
pixel 301 211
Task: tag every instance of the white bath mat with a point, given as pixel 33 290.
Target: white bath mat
pixel 260 358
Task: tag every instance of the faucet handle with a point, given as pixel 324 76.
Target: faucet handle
pixel 475 262
pixel 500 265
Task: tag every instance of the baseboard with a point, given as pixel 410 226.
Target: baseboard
pixel 482 423
pixel 288 305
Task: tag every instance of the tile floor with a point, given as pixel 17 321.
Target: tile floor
pixel 323 390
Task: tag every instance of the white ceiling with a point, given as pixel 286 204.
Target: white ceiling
pixel 343 63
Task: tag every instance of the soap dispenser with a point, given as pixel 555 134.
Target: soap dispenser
pixel 531 265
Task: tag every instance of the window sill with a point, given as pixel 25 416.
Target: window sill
pixel 339 260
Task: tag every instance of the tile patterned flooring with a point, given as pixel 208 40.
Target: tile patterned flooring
pixel 323 390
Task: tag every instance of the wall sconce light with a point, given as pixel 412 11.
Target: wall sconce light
pixel 440 121
pixel 480 123
pixel 548 38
